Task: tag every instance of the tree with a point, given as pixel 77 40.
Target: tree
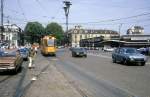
pixel 56 30
pixel 34 31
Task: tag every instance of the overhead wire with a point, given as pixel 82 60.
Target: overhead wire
pixel 19 3
pixel 123 18
pixel 42 7
pixel 14 11
pixel 87 23
pixel 45 10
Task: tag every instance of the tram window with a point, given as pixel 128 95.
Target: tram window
pixel 50 43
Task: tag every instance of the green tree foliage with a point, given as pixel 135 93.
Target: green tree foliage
pixel 56 30
pixel 34 31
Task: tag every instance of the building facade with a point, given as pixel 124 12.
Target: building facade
pixel 77 34
pixel 135 30
pixel 136 40
pixel 11 35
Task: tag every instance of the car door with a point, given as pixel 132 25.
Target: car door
pixel 115 54
pixel 121 55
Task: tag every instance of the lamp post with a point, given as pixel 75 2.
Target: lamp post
pixel 148 47
pixel 2 15
pixel 120 29
pixel 66 9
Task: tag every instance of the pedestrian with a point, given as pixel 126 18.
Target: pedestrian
pixel 31 58
pixel 36 50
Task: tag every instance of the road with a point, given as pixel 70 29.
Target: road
pixel 15 85
pixel 102 78
pixel 11 83
pixel 94 76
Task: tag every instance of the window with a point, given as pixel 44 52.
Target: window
pixel 80 36
pixel 85 36
pixel 121 51
pixel 50 42
pixel 75 36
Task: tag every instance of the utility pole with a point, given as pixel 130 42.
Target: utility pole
pixel 8 29
pixel 66 9
pixel 120 29
pixel 2 15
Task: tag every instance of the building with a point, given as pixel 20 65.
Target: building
pixel 77 34
pixel 11 35
pixel 135 40
pixel 135 30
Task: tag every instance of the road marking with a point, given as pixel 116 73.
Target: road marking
pixel 54 59
pixel 34 78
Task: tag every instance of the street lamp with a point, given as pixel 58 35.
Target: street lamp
pixel 2 15
pixel 66 9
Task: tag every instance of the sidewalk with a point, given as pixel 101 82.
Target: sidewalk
pixel 50 83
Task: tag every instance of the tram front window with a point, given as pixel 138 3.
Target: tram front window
pixel 50 43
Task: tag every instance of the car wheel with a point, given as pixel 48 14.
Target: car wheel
pixel 114 60
pixel 26 59
pixel 72 55
pixel 125 62
pixel 15 71
pixel 85 56
pixel 143 63
pixel 54 55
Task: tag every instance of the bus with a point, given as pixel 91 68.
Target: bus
pixel 48 45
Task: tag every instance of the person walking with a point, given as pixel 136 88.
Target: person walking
pixel 31 58
pixel 36 49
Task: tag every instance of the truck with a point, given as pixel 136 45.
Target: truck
pixel 10 61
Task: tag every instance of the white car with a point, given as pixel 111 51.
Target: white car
pixel 108 49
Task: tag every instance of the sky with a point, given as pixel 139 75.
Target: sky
pixel 89 14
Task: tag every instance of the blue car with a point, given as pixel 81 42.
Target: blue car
pixel 128 55
pixel 1 53
pixel 24 53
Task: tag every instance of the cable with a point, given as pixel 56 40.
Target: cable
pixel 124 18
pixel 42 7
pixel 22 10
pixel 146 25
pixel 14 11
pixel 18 19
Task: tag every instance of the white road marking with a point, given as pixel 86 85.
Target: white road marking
pixel 54 59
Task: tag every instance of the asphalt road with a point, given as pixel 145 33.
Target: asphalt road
pixel 15 85
pixel 96 75
pixel 102 78
pixel 11 83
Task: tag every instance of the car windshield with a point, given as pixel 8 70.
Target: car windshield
pixel 131 50
pixel 79 49
pixel 22 50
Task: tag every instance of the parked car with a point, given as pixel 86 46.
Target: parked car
pixel 79 52
pixel 24 53
pixel 144 51
pixel 1 52
pixel 10 61
pixel 128 55
pixel 108 49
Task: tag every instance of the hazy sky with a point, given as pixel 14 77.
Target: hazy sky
pixel 90 14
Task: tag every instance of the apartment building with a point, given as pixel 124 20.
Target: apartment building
pixel 77 34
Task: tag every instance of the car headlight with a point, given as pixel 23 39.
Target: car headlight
pixel 77 53
pixel 131 58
